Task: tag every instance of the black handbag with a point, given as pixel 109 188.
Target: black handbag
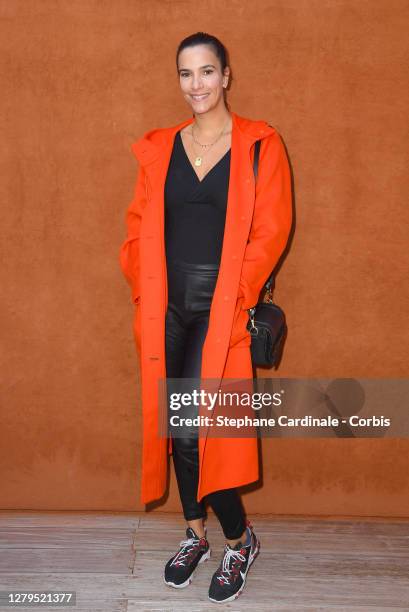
pixel 267 324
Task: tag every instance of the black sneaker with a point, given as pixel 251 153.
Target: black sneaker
pixel 229 579
pixel 179 569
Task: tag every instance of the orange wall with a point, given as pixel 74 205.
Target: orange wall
pixel 80 82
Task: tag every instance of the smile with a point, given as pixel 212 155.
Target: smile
pixel 202 97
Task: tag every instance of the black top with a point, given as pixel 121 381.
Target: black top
pixel 195 211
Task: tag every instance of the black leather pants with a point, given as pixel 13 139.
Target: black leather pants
pixel 190 291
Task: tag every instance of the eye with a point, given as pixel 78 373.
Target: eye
pixel 207 71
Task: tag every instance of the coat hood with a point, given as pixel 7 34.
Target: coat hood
pixel 147 148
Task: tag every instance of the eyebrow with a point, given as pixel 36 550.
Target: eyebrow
pixel 206 66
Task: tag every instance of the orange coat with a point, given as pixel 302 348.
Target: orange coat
pixel 256 231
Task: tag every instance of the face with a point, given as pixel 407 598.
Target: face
pixel 201 79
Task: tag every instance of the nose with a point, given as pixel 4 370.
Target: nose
pixel 196 82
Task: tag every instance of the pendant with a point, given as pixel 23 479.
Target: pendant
pixel 198 161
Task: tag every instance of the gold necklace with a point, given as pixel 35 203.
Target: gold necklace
pixel 199 158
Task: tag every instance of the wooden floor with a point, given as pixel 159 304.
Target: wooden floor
pixel 114 562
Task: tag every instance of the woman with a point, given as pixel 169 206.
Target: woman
pixel 202 241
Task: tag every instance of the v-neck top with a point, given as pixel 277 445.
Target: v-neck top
pixel 195 211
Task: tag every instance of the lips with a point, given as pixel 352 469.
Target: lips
pixel 198 98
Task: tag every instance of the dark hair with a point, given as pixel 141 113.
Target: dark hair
pixel 201 38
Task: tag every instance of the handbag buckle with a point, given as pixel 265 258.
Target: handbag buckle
pixel 252 312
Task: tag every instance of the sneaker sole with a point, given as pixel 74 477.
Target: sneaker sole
pixel 203 558
pixel 235 596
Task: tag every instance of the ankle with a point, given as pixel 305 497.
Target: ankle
pixel 243 539
pixel 198 527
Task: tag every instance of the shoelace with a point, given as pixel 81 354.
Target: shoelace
pixel 229 555
pixel 184 551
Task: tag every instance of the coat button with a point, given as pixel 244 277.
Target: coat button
pixel 234 256
pixel 218 339
pixel 248 180
pixel 226 297
pixel 243 218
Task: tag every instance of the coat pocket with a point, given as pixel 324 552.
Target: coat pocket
pixel 240 333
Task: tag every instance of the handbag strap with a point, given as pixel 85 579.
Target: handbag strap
pixel 256 156
pixel 270 279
